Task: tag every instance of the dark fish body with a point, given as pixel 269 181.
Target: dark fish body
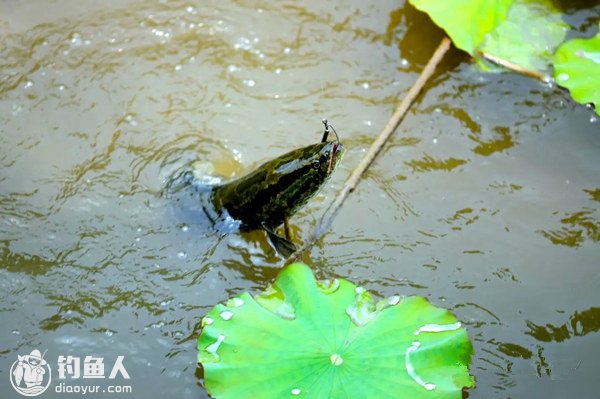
pixel 278 188
pixel 264 198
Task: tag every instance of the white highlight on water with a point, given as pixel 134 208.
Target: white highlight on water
pixel 296 391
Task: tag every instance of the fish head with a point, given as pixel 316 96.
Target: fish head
pixel 329 155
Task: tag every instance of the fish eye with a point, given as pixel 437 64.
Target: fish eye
pixel 316 164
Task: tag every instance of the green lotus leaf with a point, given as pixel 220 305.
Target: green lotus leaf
pixel 577 68
pixel 529 35
pixel 329 339
pixel 466 21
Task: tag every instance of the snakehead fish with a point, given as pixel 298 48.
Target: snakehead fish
pixel 268 196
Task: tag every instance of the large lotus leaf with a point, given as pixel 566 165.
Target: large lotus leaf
pixel 329 339
pixel 529 35
pixel 466 21
pixel 577 67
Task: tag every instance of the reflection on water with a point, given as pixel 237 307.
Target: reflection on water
pixel 576 227
pixel 579 324
pixel 485 201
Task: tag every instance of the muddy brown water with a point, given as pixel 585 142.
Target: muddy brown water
pixel 486 200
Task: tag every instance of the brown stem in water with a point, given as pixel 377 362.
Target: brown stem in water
pixel 513 67
pixel 331 212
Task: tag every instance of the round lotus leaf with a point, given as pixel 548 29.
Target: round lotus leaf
pixel 465 21
pixel 533 29
pixel 329 339
pixel 577 68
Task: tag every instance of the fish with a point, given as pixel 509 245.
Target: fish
pixel 267 197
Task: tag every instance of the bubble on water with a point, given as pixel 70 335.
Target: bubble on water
pixel 61 87
pixel 435 141
pixel 16 108
pixel 232 68
pixel 137 239
pixel 108 333
pixel 226 315
pixel 159 33
pixel 16 332
pixel 249 82
pixel 593 119
pixel 28 84
pixel 336 359
pixel 365 85
pixel 278 71
pixel 190 9
pixel 178 67
pixel 207 321
pixel 139 229
pixel 296 391
pixel 287 50
pixel 563 77
pixel 181 254
pixel 185 227
pixel 76 39
pixel 404 62
pixel 276 96
pixel 158 325
pixel 368 123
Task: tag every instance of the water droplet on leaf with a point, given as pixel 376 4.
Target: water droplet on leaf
pixel 336 359
pixel 226 314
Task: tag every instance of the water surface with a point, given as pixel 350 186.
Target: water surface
pixel 485 201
